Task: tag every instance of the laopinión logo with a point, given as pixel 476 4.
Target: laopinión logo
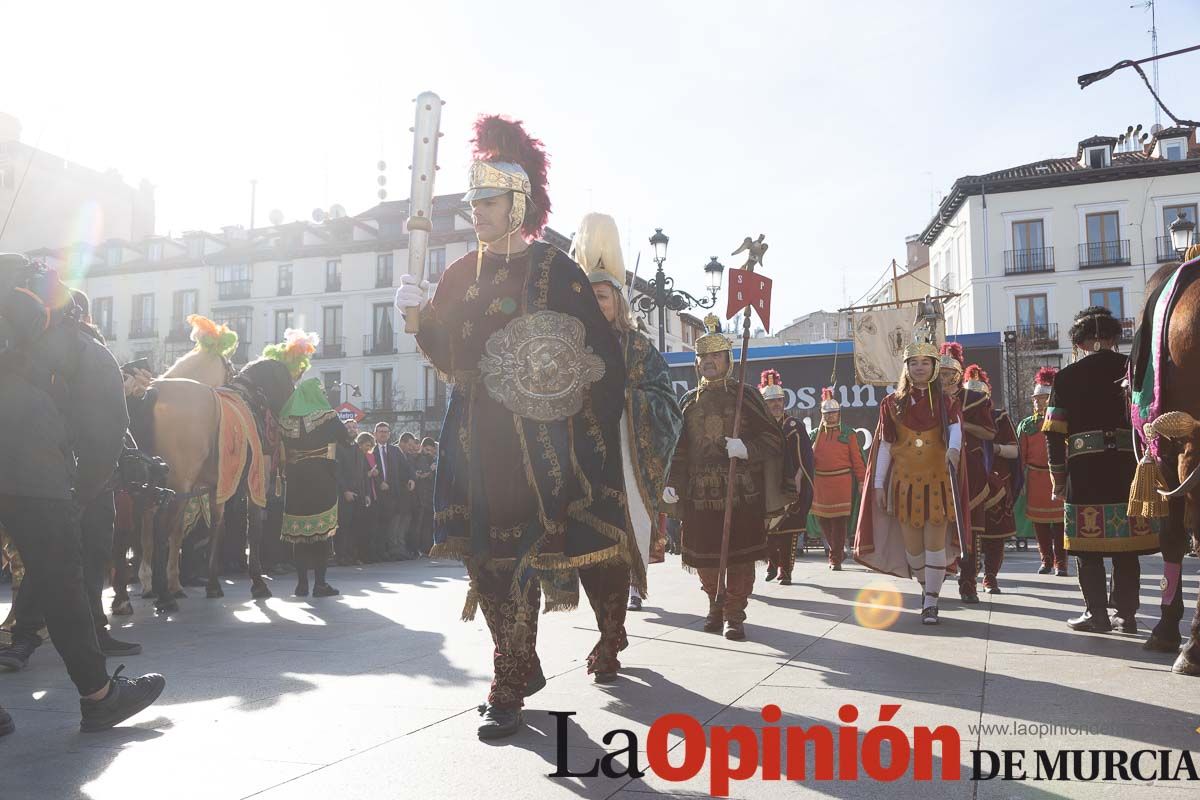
pixel 887 753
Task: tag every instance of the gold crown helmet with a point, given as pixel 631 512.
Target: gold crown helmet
pixel 597 248
pixel 494 178
pixel 714 341
pixel 920 347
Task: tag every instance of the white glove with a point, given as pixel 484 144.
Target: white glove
pixel 411 294
pixel 669 495
pixel 736 448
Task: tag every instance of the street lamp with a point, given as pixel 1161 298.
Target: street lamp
pixel 666 297
pixel 1181 234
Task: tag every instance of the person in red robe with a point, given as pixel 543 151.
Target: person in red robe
pixel 999 462
pixel 907 524
pixel 979 428
pixel 1042 508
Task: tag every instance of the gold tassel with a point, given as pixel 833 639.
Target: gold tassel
pixel 471 606
pixel 1144 499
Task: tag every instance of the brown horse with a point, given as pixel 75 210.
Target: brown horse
pixel 187 419
pixel 200 365
pixel 1179 451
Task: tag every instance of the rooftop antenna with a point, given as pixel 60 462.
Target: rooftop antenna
pixel 1154 47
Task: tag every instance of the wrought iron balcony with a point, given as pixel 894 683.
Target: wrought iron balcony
pixel 1104 254
pixel 233 290
pixel 333 283
pixel 108 330
pixel 1043 336
pixel 331 348
pixel 1020 262
pixel 143 329
pixel 379 345
pixel 1166 249
pixel 383 278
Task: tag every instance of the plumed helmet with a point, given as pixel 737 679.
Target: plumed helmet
pixel 507 159
pixel 771 385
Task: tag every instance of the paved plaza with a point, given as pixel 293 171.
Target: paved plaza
pixel 373 694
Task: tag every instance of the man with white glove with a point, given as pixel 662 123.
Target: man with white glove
pixel 699 478
pixel 411 294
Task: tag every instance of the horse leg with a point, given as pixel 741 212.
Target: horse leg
pixel 175 554
pixel 213 588
pixel 122 538
pixel 167 526
pixel 254 521
pixel 1165 636
pixel 146 522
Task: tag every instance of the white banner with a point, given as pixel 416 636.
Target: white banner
pixel 880 337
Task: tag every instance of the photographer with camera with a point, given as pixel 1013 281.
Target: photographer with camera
pixel 62 422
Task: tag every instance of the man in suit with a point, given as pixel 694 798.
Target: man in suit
pixel 394 486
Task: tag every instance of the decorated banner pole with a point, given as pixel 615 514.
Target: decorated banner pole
pixel 747 290
pixel 420 199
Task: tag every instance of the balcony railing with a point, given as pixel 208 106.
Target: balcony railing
pixel 285 288
pixel 179 331
pixel 1038 259
pixel 333 283
pixel 1042 336
pixel 109 331
pixel 383 278
pixel 1127 327
pixel 233 290
pixel 143 329
pixel 1166 249
pixel 331 348
pixel 379 345
pixel 1104 254
pixel 241 355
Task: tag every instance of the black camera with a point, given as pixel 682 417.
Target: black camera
pixel 141 474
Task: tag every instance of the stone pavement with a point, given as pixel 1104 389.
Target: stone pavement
pixel 373 694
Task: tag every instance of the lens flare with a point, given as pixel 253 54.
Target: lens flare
pixel 86 230
pixel 878 605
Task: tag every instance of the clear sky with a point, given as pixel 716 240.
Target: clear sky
pixel 830 127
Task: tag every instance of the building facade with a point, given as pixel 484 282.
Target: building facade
pixel 815 327
pixel 337 278
pixel 1024 249
pixel 55 202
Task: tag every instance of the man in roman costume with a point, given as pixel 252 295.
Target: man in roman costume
pixel 1041 507
pixel 838 473
pixel 650 423
pixel 529 485
pixel 795 485
pixel 979 428
pixel 1000 456
pixel 699 479
pixel 906 525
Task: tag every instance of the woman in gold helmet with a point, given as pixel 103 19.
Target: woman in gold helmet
pixel 906 526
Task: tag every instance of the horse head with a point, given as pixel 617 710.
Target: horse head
pixel 272 378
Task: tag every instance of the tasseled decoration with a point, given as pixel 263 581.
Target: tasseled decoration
pixel 472 604
pixel 1144 499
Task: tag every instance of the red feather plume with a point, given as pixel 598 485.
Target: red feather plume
pixel 826 393
pixel 770 377
pixel 1045 376
pixel 954 350
pixel 976 373
pixel 501 139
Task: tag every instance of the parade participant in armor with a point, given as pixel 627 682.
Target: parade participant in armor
pixel 906 523
pixel 979 427
pixel 1042 508
pixel 838 472
pixel 999 459
pixel 1090 445
pixel 312 435
pixel 649 426
pixel 699 475
pixel 791 520
pixel 529 481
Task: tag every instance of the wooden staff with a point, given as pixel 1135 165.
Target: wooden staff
pixel 756 250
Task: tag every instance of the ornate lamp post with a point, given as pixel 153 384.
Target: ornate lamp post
pixel 1181 234
pixel 666 297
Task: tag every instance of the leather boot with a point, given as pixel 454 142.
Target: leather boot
pixel 715 620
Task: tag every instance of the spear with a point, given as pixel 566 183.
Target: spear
pixel 756 250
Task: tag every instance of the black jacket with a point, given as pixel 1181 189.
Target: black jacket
pixel 396 467
pixel 65 433
pixel 352 470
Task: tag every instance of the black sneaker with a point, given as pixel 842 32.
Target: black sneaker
pixel 929 615
pixel 324 590
pixel 500 722
pixel 635 603
pixel 1043 570
pixel 6 723
pixel 970 597
pixel 15 657
pixel 115 648
pixel 124 699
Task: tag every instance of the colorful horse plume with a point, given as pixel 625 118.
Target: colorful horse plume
pixel 212 337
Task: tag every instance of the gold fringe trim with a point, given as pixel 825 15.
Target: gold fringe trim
pixel 557 561
pixel 456 548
